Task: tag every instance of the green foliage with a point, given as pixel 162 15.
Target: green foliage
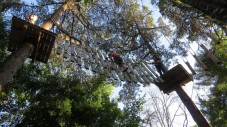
pixel 45 99
pixel 85 2
pixel 215 104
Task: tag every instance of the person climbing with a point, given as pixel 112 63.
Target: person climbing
pixel 158 65
pixel 118 60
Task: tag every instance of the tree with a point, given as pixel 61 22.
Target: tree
pixel 214 104
pixel 133 101
pixel 187 12
pixel 42 97
pixel 214 8
pixel 17 58
pixel 193 13
pixel 124 25
pixel 163 110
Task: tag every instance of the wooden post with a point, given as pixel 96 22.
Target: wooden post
pixel 86 60
pixel 78 54
pixel 72 52
pixel 66 55
pixel 12 63
pixel 201 121
pixel 60 45
pixel 193 110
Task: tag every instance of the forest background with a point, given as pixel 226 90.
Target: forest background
pixel 61 93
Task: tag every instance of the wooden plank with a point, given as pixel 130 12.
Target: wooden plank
pixel 108 70
pixel 146 74
pixel 120 74
pixel 148 71
pixel 150 75
pixel 105 69
pixel 126 76
pixel 50 39
pixel 46 40
pixel 98 62
pixel 78 51
pixel 155 74
pixel 137 74
pixel 91 57
pixel 114 74
pixel 66 55
pixel 177 76
pixel 130 71
pixel 60 46
pixel 131 77
pixel 113 66
pixel 92 62
pixel 85 58
pixel 72 49
pixel 96 59
pixel 99 68
pixel 78 54
pixel 42 39
pixel 41 46
pixel 95 54
pixel 141 74
pixel 101 58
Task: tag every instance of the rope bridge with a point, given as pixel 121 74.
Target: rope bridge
pixel 96 61
pixel 92 58
pixel 138 71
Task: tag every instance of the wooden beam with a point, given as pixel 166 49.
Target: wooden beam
pixel 153 72
pixel 60 46
pixel 141 74
pixel 130 71
pixel 119 73
pixel 78 54
pixel 66 55
pixel 91 59
pixel 72 49
pixel 85 57
pixel 134 71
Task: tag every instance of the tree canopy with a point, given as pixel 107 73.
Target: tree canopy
pixel 61 93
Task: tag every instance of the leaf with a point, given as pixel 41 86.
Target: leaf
pixel 85 2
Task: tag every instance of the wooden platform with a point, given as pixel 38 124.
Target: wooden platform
pixel 176 76
pixel 25 32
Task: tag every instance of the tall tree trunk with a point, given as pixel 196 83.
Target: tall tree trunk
pixel 194 111
pixel 14 62
pixel 17 58
pixel 48 24
pixel 216 9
